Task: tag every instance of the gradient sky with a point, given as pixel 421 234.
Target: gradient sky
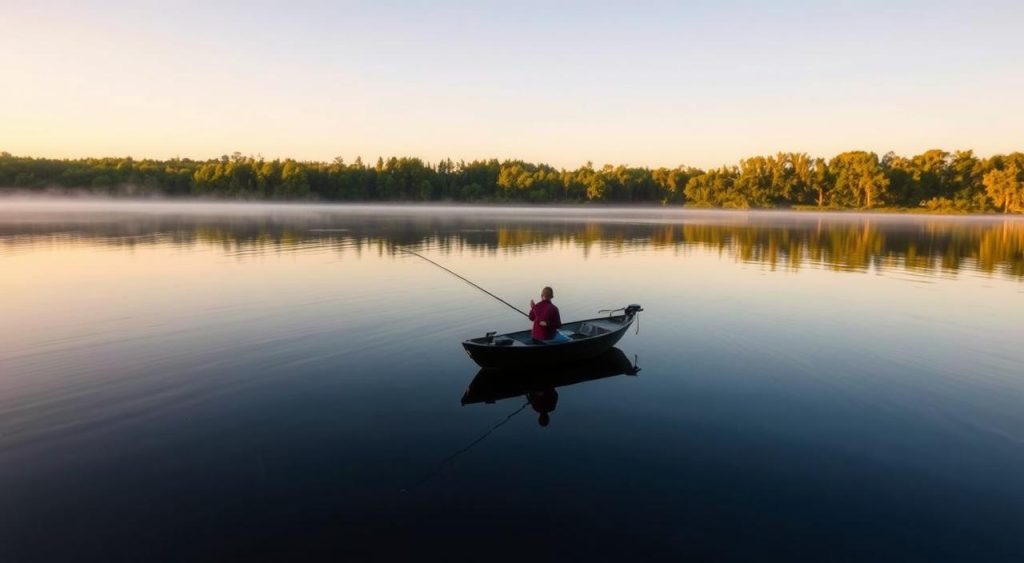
pixel 641 83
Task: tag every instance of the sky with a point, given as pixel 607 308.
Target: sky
pixel 638 83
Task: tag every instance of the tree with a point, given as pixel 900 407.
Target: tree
pixel 819 180
pixel 930 175
pixel 754 187
pixel 965 181
pixel 859 179
pixel 1006 188
pixel 671 183
pixel 712 189
pixel 294 181
pixel 900 174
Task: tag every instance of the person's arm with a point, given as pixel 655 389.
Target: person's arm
pixel 531 315
pixel 555 318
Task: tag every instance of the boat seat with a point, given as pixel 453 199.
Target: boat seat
pixel 587 329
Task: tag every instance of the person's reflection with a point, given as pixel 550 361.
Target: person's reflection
pixel 543 401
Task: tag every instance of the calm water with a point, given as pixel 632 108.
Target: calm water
pixel 188 382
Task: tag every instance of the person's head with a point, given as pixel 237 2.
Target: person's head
pixel 547 293
pixel 543 419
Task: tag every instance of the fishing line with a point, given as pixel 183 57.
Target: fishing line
pixel 513 307
pixel 452 457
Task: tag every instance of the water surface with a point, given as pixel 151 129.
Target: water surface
pixel 266 382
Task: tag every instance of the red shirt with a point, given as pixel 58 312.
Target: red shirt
pixel 545 311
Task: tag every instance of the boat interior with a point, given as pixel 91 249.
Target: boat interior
pixel 577 330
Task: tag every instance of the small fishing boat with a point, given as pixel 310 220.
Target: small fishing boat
pixel 588 338
pixel 585 339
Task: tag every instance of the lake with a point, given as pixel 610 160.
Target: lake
pixel 209 381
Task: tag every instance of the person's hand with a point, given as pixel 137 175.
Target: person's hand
pixel 532 304
pixel 543 323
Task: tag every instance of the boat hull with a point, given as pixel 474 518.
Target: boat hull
pixel 489 355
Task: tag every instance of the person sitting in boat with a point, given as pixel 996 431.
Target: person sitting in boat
pixel 546 320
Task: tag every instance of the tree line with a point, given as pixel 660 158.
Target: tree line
pixel 935 180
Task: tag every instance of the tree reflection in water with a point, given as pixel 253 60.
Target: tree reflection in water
pixel 791 241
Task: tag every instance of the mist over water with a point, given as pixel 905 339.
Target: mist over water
pixel 989 244
pixel 265 381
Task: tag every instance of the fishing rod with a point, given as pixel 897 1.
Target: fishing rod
pixel 516 309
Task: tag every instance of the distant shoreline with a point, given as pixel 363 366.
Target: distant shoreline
pixel 934 182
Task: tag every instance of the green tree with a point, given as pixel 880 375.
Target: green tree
pixel 1006 188
pixel 712 189
pixel 294 181
pixel 672 182
pixel 754 186
pixel 965 181
pixel 859 179
pixel 936 179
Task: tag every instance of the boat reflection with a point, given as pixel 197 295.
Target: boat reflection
pixel 539 385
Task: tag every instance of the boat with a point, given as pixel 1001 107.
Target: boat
pixel 588 338
pixel 491 385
